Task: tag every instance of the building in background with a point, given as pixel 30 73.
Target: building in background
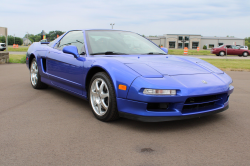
pixel 26 42
pixel 4 32
pixel 192 41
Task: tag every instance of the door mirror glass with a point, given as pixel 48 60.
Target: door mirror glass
pixel 71 50
pixel 165 50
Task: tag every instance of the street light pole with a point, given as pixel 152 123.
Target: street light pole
pixel 27 38
pixel 112 24
pixel 183 41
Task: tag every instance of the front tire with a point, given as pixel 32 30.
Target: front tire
pixel 245 54
pixel 102 98
pixel 35 78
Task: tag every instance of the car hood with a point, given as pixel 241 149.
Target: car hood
pixel 155 66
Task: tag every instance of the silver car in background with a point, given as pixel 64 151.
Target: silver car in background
pixel 2 46
pixel 243 47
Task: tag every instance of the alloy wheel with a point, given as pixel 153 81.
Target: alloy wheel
pixel 34 73
pixel 99 96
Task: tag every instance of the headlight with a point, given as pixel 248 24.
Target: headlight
pixel 231 84
pixel 159 92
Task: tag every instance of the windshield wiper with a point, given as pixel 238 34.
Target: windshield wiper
pixel 154 53
pixel 109 53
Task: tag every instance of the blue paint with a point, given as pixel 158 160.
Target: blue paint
pixel 67 70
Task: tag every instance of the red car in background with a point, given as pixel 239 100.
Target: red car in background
pixel 229 50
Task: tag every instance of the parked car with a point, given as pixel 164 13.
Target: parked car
pixel 229 50
pixel 123 74
pixel 244 47
pixel 2 46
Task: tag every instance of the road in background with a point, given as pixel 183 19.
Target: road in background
pixel 50 127
pixel 18 53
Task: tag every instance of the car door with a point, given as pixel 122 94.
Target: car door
pixel 236 50
pixel 64 70
pixel 229 50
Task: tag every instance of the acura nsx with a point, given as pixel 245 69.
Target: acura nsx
pixel 123 74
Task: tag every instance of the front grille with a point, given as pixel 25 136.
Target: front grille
pixel 198 106
pixel 203 103
pixel 201 99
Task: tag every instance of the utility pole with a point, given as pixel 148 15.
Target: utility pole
pixel 14 38
pixel 28 37
pixel 112 24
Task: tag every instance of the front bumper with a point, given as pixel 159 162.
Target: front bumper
pixel 168 118
pixel 178 107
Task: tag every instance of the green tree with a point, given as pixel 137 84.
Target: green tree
pixel 247 41
pixel 2 39
pixel 52 35
pixel 18 40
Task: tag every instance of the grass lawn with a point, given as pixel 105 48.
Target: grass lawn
pixel 230 64
pixel 19 49
pixel 17 58
pixel 190 52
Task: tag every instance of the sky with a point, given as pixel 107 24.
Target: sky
pixel 146 17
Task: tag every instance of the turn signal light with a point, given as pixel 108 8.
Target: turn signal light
pixel 122 87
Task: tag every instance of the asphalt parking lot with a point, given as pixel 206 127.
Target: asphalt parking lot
pixel 50 127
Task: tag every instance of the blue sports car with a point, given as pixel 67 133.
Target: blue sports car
pixel 123 74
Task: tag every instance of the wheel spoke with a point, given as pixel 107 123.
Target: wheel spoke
pixel 94 93
pixel 101 87
pixel 104 95
pixel 96 86
pixel 104 105
pixel 99 108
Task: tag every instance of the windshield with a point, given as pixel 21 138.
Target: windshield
pixel 119 42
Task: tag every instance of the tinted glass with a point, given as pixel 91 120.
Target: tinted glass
pixel 179 45
pixel 171 44
pixel 119 42
pixel 195 45
pixel 228 46
pixel 74 38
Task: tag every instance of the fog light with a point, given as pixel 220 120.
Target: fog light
pixel 159 92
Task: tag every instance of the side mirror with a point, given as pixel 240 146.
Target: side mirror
pixel 71 50
pixel 164 49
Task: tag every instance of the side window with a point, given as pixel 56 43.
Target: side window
pixel 74 38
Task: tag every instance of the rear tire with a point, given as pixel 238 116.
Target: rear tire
pixel 35 78
pixel 222 53
pixel 102 98
pixel 245 54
